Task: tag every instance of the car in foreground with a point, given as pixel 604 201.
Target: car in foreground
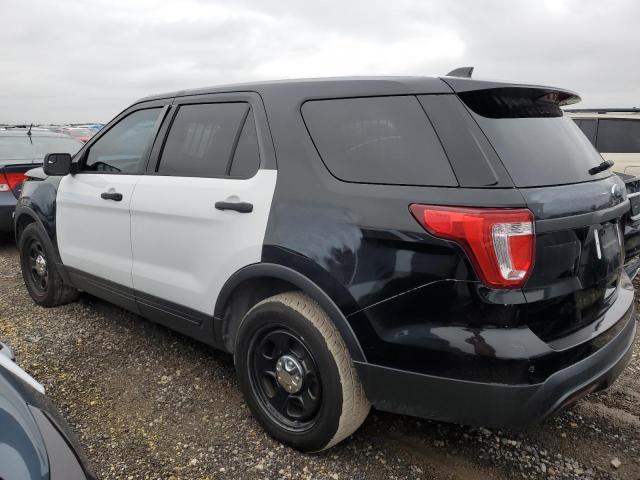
pixel 21 150
pixel 408 243
pixel 35 442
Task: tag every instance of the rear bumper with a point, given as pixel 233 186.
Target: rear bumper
pixel 492 404
pixel 7 207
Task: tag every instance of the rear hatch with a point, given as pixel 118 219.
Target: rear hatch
pixel 577 208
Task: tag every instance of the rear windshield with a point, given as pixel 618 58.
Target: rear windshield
pixel 537 144
pixel 21 147
pixel 387 140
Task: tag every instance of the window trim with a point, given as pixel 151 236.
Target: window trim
pixel 84 153
pixel 247 98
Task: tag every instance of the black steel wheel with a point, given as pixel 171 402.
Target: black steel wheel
pixel 285 377
pixel 296 373
pixel 39 270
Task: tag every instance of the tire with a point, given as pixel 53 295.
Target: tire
pixel 43 280
pixel 291 330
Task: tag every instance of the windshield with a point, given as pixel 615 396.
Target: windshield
pixel 23 148
pixel 536 143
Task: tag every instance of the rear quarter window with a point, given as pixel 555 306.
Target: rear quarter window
pixel 383 140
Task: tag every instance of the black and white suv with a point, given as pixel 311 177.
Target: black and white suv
pixel 441 247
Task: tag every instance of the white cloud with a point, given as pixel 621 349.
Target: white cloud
pixel 86 60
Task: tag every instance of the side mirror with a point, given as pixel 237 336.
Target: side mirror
pixel 57 164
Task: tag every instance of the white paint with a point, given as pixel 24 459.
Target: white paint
pixel 184 249
pixel 94 235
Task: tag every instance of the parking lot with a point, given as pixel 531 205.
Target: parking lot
pixel 150 403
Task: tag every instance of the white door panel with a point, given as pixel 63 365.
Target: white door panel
pixel 94 234
pixel 184 249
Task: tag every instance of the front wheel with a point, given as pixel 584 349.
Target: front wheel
pixel 39 271
pixel 296 373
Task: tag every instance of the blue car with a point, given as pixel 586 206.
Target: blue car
pixel 35 442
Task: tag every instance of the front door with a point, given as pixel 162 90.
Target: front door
pixel 93 220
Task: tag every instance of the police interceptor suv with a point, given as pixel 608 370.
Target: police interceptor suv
pixel 447 248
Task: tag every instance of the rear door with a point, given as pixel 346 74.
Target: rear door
pixel 93 221
pixel 200 213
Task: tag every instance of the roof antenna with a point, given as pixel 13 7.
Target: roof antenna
pixel 463 72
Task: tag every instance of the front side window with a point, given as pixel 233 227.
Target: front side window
pixel 202 139
pixel 123 147
pixel 619 136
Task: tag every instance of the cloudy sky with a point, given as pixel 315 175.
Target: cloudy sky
pixel 85 60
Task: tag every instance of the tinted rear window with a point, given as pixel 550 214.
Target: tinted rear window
pixel 538 145
pixel 386 140
pixel 201 139
pixel 619 136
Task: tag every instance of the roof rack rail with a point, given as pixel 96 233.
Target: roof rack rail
pixel 464 72
pixel 603 110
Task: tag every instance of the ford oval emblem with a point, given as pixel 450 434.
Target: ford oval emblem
pixel 616 191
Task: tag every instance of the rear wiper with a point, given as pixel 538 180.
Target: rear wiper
pixel 606 165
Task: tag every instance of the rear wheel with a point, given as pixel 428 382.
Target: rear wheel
pixel 297 375
pixel 39 271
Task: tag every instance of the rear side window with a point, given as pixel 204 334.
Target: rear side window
pixel 588 127
pixel 202 140
pixel 537 144
pixel 386 140
pixel 619 136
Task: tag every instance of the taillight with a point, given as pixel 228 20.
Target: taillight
pixel 500 242
pixel 9 180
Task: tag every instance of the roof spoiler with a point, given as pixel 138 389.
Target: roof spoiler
pixel 462 72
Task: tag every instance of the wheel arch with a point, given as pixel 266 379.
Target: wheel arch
pixel 256 282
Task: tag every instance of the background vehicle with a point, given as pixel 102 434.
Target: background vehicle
pixel 415 245
pixel 82 134
pixel 21 150
pixel 35 442
pixel 616 135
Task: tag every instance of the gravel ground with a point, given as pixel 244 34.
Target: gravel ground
pixel 148 403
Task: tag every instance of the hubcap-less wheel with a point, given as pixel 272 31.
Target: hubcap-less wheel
pixel 286 378
pixel 38 271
